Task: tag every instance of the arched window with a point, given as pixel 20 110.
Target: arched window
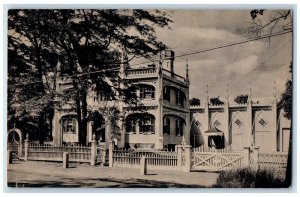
pixel 179 126
pixel 140 123
pixel 180 97
pixel 167 125
pixel 69 124
pixel 167 93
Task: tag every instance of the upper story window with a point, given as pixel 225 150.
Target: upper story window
pixel 147 92
pixel 167 125
pixel 180 98
pixel 69 124
pixel 179 127
pixel 166 93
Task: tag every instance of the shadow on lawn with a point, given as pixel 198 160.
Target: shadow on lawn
pixel 102 183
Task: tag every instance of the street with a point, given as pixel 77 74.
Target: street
pixel 52 174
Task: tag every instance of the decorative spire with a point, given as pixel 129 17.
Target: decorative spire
pixel 187 70
pixel 207 97
pixel 183 141
pixel 227 93
pixel 274 91
pixel 250 93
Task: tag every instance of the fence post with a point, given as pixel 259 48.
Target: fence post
pixel 26 147
pixel 179 157
pixel 93 150
pixel 246 159
pixel 188 158
pixel 9 156
pixel 20 149
pixel 65 160
pixel 111 147
pixel 143 166
pixel 255 152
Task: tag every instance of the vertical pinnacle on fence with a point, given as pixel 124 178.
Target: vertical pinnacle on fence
pixel 94 137
pixel 27 136
pixel 183 141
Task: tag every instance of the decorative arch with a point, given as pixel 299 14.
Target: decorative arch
pixel 175 88
pixel 261 118
pixel 213 119
pixel 97 125
pixel 14 136
pixel 237 116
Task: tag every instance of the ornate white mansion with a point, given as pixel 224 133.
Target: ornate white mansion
pixel 167 116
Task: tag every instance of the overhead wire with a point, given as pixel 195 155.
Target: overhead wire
pixel 225 45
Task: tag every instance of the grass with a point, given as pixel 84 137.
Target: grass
pixel 248 178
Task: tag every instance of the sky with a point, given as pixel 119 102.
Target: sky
pixel 258 62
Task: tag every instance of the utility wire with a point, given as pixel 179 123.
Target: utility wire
pixel 229 44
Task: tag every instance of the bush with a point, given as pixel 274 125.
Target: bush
pixel 248 178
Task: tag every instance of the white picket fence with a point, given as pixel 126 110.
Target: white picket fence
pixel 55 153
pixel 162 160
pixel 275 160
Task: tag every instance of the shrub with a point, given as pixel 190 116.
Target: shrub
pixel 248 178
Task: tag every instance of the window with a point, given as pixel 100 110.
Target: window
pixel 167 125
pixel 131 125
pixel 179 127
pixel 166 93
pixel 69 124
pixel 179 98
pixel 141 123
pixel 103 97
pixel 147 92
pixel 147 125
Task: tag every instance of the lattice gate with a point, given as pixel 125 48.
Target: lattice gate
pixel 207 159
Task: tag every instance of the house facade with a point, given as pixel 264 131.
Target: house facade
pixel 159 120
pixel 163 115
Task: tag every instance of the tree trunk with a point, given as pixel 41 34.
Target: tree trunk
pixel 288 173
pixel 41 127
pixel 84 115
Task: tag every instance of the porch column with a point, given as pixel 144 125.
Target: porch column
pixel 108 130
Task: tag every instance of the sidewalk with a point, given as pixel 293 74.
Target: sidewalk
pixel 50 174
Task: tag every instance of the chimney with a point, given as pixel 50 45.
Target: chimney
pixel 170 57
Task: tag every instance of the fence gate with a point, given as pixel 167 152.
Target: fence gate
pixel 208 159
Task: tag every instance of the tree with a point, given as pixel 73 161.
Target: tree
pixel 29 104
pixel 92 41
pixel 194 101
pixel 287 103
pixel 270 21
pixel 241 99
pixel 216 101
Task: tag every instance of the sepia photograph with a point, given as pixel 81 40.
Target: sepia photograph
pixel 149 98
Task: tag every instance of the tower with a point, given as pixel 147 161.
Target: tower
pixel 169 58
